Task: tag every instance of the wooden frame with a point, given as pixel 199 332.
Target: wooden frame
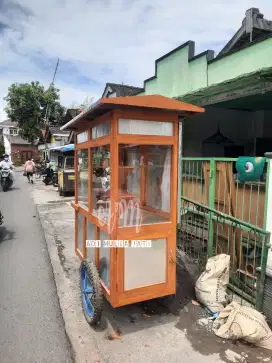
pixel 117 295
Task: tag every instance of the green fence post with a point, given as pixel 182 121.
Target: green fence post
pixel 211 205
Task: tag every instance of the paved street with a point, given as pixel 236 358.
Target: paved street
pixel 31 324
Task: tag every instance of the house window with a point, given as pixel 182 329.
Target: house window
pixel 100 130
pixel 13 131
pixel 82 137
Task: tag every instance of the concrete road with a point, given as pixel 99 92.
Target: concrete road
pixel 31 324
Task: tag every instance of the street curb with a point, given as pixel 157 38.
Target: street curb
pixel 73 329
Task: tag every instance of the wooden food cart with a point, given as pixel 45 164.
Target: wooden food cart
pixel 126 163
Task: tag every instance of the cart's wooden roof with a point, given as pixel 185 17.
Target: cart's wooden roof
pixel 155 102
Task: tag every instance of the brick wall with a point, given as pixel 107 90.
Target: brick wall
pixel 20 153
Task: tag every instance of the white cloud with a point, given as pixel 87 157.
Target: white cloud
pixel 123 36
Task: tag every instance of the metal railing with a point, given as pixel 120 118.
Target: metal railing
pixel 206 232
pixel 213 182
pixel 221 215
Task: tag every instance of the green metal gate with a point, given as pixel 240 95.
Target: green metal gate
pixel 221 215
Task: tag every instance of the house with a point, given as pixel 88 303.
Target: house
pixel 70 114
pixel 20 149
pixel 235 87
pixel 120 90
pixel 55 138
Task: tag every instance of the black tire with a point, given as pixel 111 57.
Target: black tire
pixel 90 271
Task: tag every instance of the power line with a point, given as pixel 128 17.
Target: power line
pixel 50 86
pixel 47 106
pixel 55 71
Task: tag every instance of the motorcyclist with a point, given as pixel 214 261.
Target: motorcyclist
pixel 53 166
pixel 50 171
pixel 7 164
pixel 50 168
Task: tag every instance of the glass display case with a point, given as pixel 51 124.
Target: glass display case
pixel 126 162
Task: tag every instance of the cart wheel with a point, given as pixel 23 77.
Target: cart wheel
pixel 91 292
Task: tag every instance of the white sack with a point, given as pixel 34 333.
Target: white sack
pixel 211 286
pixel 244 323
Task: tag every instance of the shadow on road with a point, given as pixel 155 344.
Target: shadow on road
pixel 6 234
pixel 151 313
pixel 10 189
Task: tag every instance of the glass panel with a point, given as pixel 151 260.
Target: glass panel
pixel 142 127
pixel 82 157
pixel 144 184
pixel 100 130
pixel 69 162
pixel 101 182
pixel 82 137
pixel 90 236
pixel 104 260
pixel 159 178
pixel 80 232
pixel 145 266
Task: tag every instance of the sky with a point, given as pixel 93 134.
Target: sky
pixel 100 41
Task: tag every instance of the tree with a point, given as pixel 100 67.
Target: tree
pixel 30 104
pixel 84 105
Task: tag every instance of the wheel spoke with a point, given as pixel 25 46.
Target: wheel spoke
pixel 84 282
pixel 88 290
pixel 89 301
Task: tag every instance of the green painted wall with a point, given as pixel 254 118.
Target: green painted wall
pixel 197 74
pixel 177 76
pixel 248 60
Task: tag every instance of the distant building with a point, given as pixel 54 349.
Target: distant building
pixel 120 90
pixel 21 149
pixel 110 90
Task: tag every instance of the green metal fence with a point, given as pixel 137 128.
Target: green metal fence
pixel 221 215
pixel 205 232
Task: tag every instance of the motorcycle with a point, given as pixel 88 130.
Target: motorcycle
pixel 39 171
pixel 50 177
pixel 6 180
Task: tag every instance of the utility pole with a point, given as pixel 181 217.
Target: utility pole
pixel 47 106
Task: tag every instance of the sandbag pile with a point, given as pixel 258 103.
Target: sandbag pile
pixel 237 322
pixel 211 286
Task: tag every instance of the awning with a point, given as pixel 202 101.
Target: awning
pixel 63 148
pixel 57 148
pixel 248 85
pixel 69 147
